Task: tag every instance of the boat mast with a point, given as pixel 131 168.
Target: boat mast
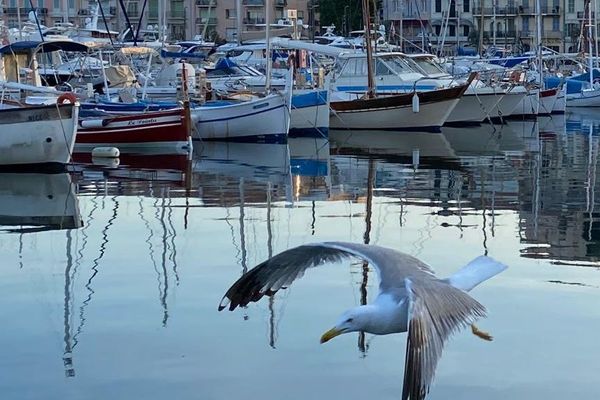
pixel 238 21
pixel 268 5
pixel 590 45
pixel 367 23
pixel 538 17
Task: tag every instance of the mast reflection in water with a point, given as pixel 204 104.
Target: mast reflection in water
pixel 112 275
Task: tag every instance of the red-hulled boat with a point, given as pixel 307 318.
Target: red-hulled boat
pixel 165 129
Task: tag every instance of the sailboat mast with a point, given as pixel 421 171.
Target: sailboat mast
pixel 268 6
pixel 238 21
pixel 367 23
pixel 538 17
pixel 590 45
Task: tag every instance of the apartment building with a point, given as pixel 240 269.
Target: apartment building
pixel 184 18
pixel 506 23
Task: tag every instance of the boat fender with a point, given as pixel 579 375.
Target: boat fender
pixel 106 152
pixel 93 123
pixel 66 98
pixel 106 162
pixel 415 103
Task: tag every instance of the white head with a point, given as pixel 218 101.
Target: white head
pixel 354 320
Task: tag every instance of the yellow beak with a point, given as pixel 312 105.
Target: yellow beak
pixel 330 334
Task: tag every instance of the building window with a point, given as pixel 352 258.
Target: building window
pixel 230 13
pixel 438 29
pixel 438 5
pixel 525 24
pixel 466 30
pixel 466 5
pixel 571 6
pixel 56 4
pixel 555 23
pixel 452 31
pixel 300 14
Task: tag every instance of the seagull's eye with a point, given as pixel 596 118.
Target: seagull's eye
pixel 349 320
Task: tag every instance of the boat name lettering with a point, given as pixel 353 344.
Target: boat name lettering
pixel 142 121
pixel 38 117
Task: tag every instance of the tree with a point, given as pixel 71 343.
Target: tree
pixel 346 15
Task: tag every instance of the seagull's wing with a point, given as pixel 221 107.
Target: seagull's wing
pixel 284 268
pixel 436 311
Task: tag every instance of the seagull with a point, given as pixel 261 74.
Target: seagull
pixel 411 299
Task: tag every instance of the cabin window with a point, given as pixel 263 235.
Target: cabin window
pixel 398 65
pixel 381 68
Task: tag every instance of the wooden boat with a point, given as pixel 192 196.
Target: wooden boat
pixel 398 112
pixel 157 129
pixel 37 137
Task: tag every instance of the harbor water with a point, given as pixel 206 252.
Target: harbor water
pixel 112 273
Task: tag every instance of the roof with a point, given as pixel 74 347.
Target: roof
pixel 43 47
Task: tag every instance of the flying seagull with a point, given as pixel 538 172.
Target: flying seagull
pixel 411 298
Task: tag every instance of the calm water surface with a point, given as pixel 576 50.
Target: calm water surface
pixel 111 277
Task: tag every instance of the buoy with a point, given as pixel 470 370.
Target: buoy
pixel 67 97
pixel 93 123
pixel 106 152
pixel 106 162
pixel 415 103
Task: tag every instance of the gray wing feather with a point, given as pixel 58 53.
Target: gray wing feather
pixel 281 270
pixel 437 310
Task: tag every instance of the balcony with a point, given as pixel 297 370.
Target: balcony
pixel 551 10
pixel 177 14
pixel 583 14
pixel 552 35
pixel 206 3
pixel 24 11
pixel 253 21
pixel 254 3
pixel 499 11
pixel 206 21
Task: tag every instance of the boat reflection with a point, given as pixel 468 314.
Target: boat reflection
pixel 310 167
pixel 38 202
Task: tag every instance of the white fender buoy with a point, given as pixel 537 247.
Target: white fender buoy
pixel 93 123
pixel 415 103
pixel 106 152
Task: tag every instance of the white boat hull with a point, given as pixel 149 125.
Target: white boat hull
pixel 474 108
pixel 585 98
pixel 509 103
pixel 560 104
pixel 529 106
pixel 39 136
pixel 310 114
pixel 264 120
pixel 547 103
pixel 429 117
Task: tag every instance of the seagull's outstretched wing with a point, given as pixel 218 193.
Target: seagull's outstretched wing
pixel 436 311
pixel 281 270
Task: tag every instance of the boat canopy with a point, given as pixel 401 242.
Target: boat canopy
pixel 43 47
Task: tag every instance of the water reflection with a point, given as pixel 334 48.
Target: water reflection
pixel 37 202
pixel 145 248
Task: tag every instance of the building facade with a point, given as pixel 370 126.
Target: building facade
pixel 503 23
pixel 214 19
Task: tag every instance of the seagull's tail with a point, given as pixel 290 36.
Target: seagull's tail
pixel 480 269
